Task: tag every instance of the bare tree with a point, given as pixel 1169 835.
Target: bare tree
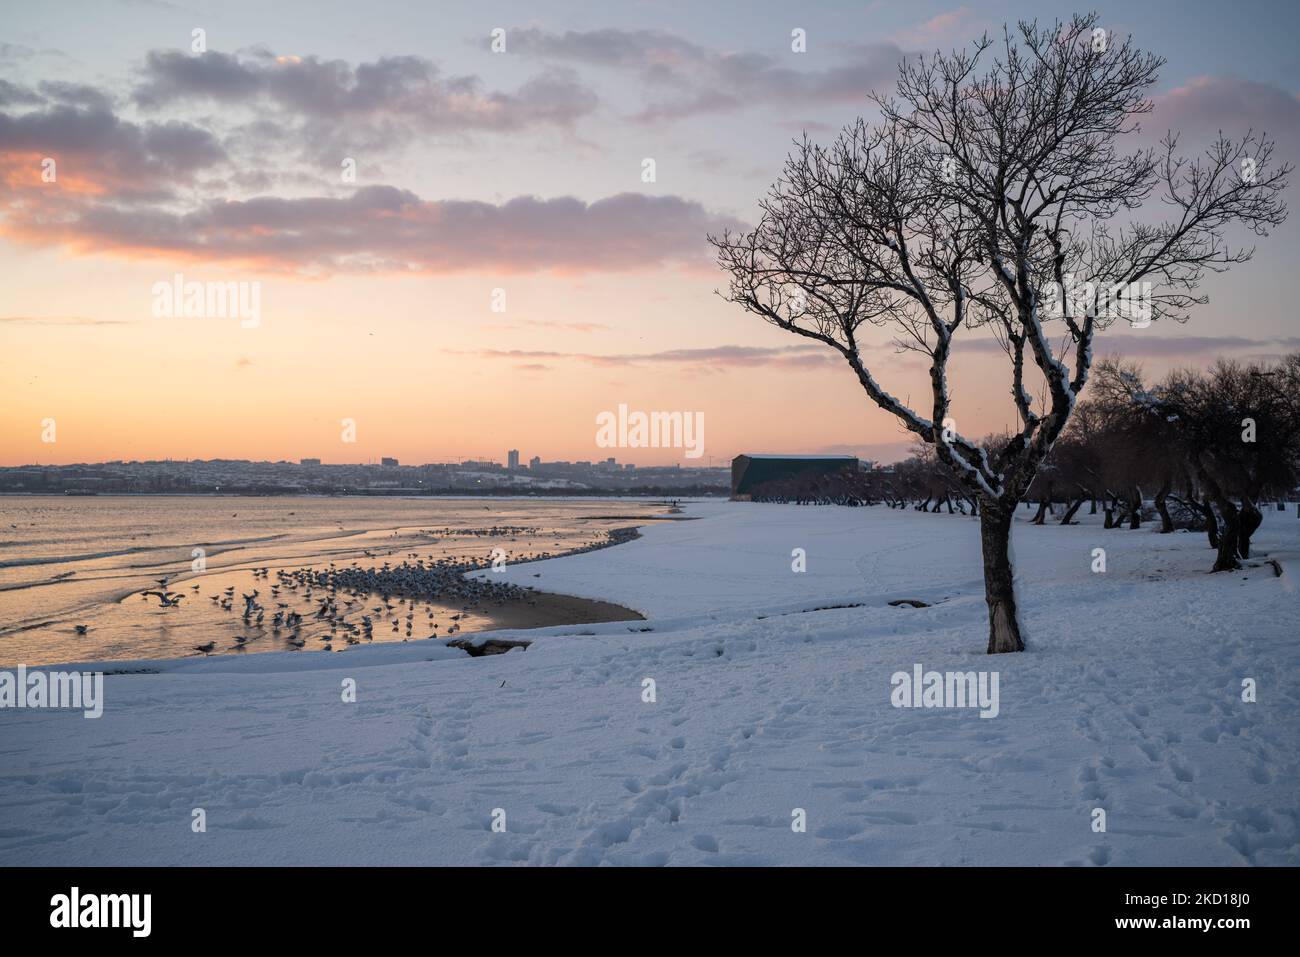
pixel 1238 429
pixel 988 183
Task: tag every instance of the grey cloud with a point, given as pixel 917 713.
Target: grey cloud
pixel 13 93
pixel 1204 105
pixel 1155 344
pixel 697 80
pixel 729 356
pixel 171 75
pixel 1158 345
pixel 384 228
pixel 77 94
pixel 118 150
pixel 401 91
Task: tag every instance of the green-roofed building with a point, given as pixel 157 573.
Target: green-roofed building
pixel 751 471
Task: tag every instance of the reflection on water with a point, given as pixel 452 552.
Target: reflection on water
pixel 74 571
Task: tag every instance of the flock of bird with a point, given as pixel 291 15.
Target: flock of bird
pixel 337 601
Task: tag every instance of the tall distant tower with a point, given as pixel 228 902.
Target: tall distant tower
pixel 512 459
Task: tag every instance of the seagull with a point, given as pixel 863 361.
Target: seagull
pixel 168 599
pixel 82 629
pixel 206 649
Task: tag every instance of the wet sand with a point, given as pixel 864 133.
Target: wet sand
pixel 543 609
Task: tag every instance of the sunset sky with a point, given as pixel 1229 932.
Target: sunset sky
pixel 479 171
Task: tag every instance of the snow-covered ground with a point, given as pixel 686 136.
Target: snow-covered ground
pixel 1129 699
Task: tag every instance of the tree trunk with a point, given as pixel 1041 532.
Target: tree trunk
pixel 1250 520
pixel 999 584
pixel 1211 521
pixel 1135 519
pixel 1226 560
pixel 1040 514
pixel 1044 506
pixel 1166 520
pixel 1069 512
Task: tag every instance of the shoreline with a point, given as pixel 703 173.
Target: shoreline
pixel 519 608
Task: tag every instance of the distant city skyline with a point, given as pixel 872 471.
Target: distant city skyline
pixel 386 477
pixel 386 460
pixel 389 460
pixel 452 247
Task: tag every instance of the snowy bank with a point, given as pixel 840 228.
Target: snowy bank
pixel 767 699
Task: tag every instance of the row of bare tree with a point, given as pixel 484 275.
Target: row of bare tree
pixel 1204 450
pixel 1209 447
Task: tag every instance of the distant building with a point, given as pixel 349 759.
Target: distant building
pixel 387 462
pixel 610 462
pixel 535 462
pixel 512 459
pixel 748 471
pixel 309 461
